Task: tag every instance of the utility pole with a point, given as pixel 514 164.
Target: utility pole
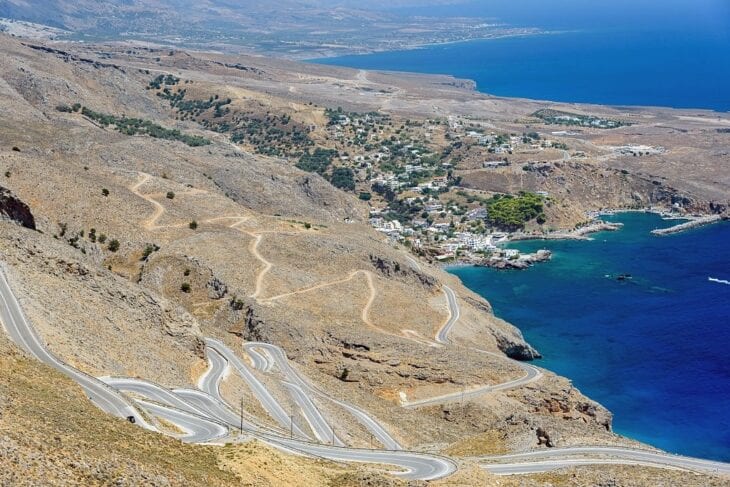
pixel 242 415
pixel 371 441
pixel 291 426
pixel 333 435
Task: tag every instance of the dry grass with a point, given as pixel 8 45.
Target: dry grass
pixel 51 434
pixel 487 443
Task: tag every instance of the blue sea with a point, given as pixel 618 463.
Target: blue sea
pixel 652 349
pixel 673 53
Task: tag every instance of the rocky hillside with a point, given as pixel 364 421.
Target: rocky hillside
pixel 11 208
pixel 131 232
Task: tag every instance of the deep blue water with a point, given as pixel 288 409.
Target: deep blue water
pixel 673 53
pixel 653 350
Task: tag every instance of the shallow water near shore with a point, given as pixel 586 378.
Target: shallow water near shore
pixel 653 348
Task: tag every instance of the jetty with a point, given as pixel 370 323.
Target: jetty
pixel 697 222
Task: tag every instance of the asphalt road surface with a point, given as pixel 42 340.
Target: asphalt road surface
pixel 555 458
pixel 443 334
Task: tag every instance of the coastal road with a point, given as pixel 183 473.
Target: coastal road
pixel 555 458
pixel 23 334
pixel 202 417
pixel 532 374
pixel 454 313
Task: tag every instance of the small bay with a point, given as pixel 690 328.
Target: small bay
pixel 652 348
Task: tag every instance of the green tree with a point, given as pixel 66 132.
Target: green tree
pixel 318 161
pixel 343 178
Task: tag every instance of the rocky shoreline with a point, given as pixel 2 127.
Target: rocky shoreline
pixel 577 234
pixel 515 261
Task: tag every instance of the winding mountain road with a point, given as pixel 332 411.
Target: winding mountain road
pixel 282 363
pixel 454 313
pixel 24 335
pixel 532 373
pixel 555 458
pixel 262 394
pixel 203 416
pixel 196 428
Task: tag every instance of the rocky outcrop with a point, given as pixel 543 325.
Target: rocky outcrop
pixel 389 268
pixel 519 262
pixel 248 326
pixel 12 208
pixel 516 347
pixel 543 438
pixel 217 289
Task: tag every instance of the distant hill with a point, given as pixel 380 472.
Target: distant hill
pixel 90 15
pixel 296 28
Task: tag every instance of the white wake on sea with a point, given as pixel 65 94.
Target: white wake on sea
pixel 721 281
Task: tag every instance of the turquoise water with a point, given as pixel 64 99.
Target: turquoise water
pixel 617 53
pixel 653 350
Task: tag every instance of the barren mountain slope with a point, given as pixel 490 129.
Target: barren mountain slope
pixel 144 246
pixel 306 280
pixel 598 169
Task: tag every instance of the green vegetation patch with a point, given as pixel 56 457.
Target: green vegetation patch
pixel 138 126
pixel 343 178
pixel 269 134
pixel 318 161
pixel 163 79
pixel 195 108
pixel 556 117
pixel 512 212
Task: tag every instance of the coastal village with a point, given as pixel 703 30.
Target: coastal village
pixel 410 171
pixel 408 174
pixel 409 180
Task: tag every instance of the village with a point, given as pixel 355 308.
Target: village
pixel 409 181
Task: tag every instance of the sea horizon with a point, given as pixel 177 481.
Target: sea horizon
pixel 578 60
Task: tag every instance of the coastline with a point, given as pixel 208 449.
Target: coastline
pixel 688 222
pixel 577 234
pixel 628 427
pixel 415 46
pixel 598 225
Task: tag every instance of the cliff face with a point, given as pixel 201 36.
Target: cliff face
pixel 12 208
